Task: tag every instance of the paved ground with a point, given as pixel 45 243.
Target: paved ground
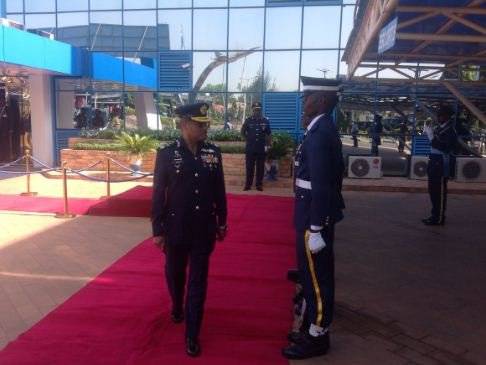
pixel 406 294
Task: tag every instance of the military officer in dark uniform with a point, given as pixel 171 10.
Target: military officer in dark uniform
pixel 188 215
pixel 443 139
pixel 257 133
pixel 319 171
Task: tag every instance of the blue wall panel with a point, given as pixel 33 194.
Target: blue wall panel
pixel 175 71
pixel 284 110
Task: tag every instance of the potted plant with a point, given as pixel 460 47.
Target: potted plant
pixel 282 144
pixel 137 146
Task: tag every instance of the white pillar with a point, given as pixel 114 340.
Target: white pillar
pixel 65 109
pixel 146 110
pixel 42 117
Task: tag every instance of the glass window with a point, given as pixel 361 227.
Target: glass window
pixel 139 30
pixel 167 104
pixel 105 4
pixel 19 18
pixel 70 5
pixel 246 28
pixel 216 111
pixel 319 64
pixel 210 29
pixel 44 6
pixel 45 22
pixel 210 3
pixel 65 111
pixel 247 2
pixel 283 28
pixel 239 108
pixel 141 111
pixel 282 71
pixel 348 24
pixel 73 28
pixel 15 6
pixel 139 4
pixel 245 74
pixel 105 31
pixel 209 74
pixel 319 33
pixel 175 3
pixel 174 29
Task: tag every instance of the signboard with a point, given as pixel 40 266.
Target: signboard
pixel 388 36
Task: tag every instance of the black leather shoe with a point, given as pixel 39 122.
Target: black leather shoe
pixel 296 337
pixel 192 347
pixel 259 188
pixel 309 347
pixel 177 317
pixel 246 188
pixel 431 221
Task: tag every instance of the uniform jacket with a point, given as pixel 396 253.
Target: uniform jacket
pixel 319 160
pixel 189 198
pixel 445 141
pixel 255 131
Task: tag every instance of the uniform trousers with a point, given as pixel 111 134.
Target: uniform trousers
pixel 437 184
pixel 177 257
pixel 317 276
pixel 252 159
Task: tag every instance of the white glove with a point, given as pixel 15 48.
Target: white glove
pixel 267 148
pixel 429 132
pixel 316 242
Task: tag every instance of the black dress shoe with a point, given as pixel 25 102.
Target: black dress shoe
pixel 296 337
pixel 192 347
pixel 177 317
pixel 246 188
pixel 309 347
pixel 259 188
pixel 431 221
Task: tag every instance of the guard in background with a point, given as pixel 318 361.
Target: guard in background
pixel 319 171
pixel 376 131
pixel 188 214
pixel 443 139
pixel 257 133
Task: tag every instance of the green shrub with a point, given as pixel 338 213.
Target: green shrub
pixel 97 146
pixel 135 144
pixel 225 135
pixel 282 144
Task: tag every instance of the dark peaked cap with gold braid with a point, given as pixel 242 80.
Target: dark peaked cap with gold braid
pixel 197 112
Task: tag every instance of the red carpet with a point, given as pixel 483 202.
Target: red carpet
pixel 135 202
pixel 122 317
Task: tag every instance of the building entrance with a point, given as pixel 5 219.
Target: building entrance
pixel 15 128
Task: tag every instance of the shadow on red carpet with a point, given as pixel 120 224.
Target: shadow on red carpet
pixel 122 316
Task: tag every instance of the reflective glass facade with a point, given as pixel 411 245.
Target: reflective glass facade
pixel 229 52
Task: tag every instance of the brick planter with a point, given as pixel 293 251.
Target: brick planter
pixel 233 164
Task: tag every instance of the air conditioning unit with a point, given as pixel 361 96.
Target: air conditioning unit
pixel 364 167
pixel 471 169
pixel 418 167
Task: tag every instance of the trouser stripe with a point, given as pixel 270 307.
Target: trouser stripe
pixel 315 283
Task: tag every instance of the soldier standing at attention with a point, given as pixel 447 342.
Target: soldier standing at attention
pixel 257 134
pixel 319 171
pixel 188 215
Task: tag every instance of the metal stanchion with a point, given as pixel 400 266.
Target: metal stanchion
pixel 27 174
pixel 108 178
pixel 66 213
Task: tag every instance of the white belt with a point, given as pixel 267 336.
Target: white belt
pixel 304 184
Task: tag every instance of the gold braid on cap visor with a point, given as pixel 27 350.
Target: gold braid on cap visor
pixel 201 119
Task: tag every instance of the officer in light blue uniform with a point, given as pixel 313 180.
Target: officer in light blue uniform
pixel 319 171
